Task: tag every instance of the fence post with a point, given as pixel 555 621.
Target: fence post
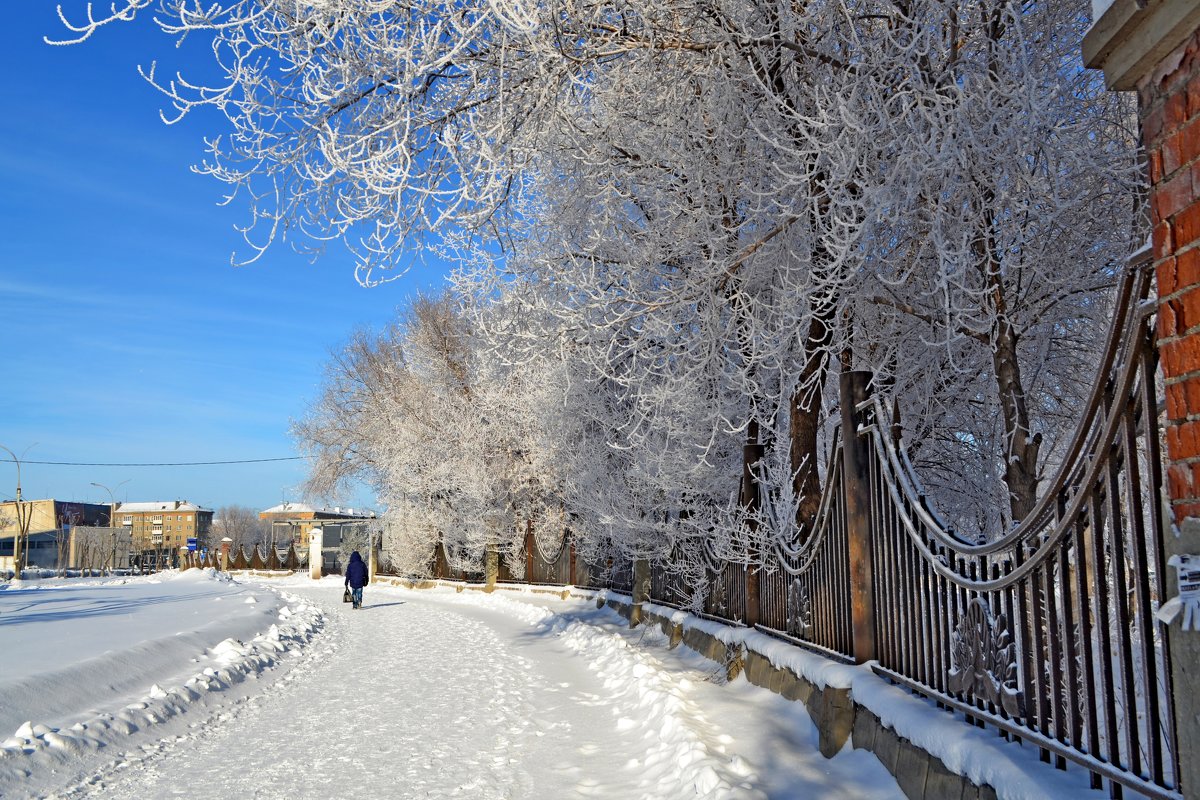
pixel 572 559
pixel 73 549
pixel 372 558
pixel 316 557
pixel 641 589
pixel 528 551
pixel 751 499
pixel 491 567
pixel 225 544
pixel 855 388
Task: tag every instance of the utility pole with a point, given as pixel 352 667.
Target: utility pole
pixel 22 517
pixel 112 520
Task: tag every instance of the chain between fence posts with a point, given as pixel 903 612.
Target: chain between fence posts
pixel 855 389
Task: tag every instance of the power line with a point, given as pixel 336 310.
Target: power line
pixel 165 464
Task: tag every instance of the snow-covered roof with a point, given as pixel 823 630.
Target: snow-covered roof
pixel 158 505
pixel 288 507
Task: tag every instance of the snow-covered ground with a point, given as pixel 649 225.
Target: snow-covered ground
pixel 192 685
pixel 89 668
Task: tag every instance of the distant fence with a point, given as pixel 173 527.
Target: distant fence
pixel 1047 633
pixel 241 558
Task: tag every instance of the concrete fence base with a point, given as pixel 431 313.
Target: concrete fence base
pixel 838 719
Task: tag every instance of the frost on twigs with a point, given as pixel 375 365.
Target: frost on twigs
pixel 672 224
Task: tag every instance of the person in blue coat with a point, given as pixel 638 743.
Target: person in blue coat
pixel 356 578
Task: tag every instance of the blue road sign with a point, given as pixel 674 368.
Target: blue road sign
pixel 191 545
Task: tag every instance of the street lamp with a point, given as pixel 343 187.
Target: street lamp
pixel 112 519
pixel 22 518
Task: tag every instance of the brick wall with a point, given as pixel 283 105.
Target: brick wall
pixel 1170 111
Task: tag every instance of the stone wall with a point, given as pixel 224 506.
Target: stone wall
pixel 837 717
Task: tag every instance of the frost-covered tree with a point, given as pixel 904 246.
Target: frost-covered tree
pixel 970 193
pixel 697 134
pixel 442 435
pixel 699 209
pixel 1006 203
pixel 241 525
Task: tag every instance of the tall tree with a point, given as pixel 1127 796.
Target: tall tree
pixel 704 206
pixel 239 524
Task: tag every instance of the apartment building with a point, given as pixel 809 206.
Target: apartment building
pixel 48 524
pixel 50 515
pixel 166 525
pixel 293 521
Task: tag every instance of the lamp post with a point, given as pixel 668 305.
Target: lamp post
pixel 22 518
pixel 112 520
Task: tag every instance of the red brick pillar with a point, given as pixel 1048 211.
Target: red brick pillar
pixel 1156 50
pixel 1170 110
pixel 1169 100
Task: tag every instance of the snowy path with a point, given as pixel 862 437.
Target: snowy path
pixel 384 713
pixel 436 695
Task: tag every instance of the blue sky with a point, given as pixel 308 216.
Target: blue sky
pixel 125 334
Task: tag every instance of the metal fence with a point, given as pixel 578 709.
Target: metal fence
pixel 804 592
pixel 1047 633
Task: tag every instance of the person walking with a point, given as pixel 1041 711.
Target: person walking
pixel 356 578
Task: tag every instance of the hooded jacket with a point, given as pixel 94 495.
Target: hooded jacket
pixel 356 572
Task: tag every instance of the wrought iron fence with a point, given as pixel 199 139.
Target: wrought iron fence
pixel 804 591
pixel 1047 633
pixel 554 566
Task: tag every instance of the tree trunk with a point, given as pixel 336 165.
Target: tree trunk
pixel 1021 448
pixel 751 500
pixel 805 414
pixel 1021 456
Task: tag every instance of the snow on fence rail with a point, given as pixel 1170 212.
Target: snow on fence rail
pixel 1048 633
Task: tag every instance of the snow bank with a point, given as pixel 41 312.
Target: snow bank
pixel 95 658
pixel 1015 771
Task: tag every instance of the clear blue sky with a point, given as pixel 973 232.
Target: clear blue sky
pixel 125 334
